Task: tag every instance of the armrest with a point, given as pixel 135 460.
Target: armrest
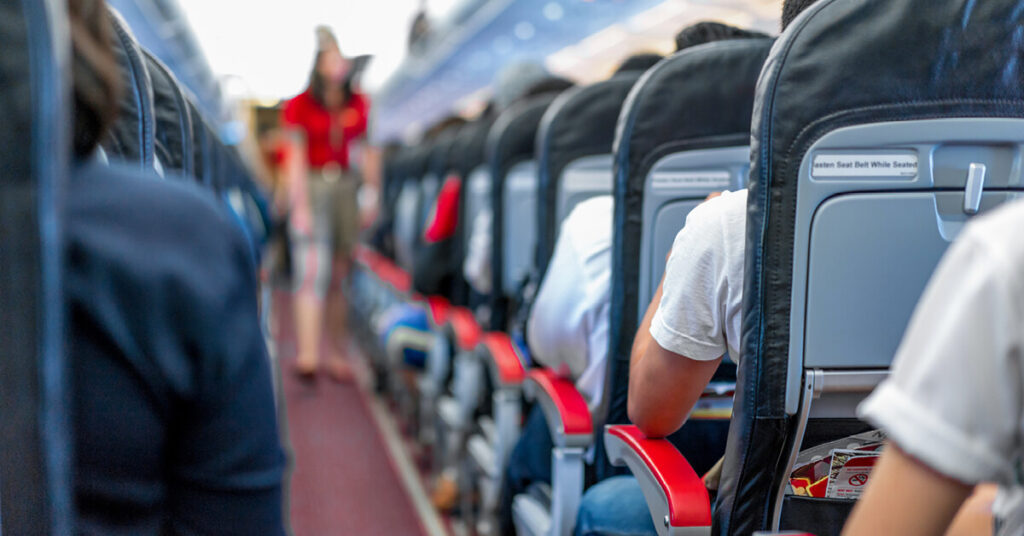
pixel 439 310
pixel 564 407
pixel 674 492
pixel 502 358
pixel 464 326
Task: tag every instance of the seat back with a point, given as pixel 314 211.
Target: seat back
pixel 35 141
pixel 574 148
pixel 173 118
pixel 201 169
pixel 512 164
pixel 468 160
pixel 408 209
pixel 132 136
pixel 682 134
pixel 879 128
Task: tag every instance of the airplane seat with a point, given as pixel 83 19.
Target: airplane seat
pixel 870 150
pixel 435 269
pixel 409 208
pixel 676 141
pixel 132 136
pixel 574 151
pixel 455 324
pixel 513 168
pixel 173 141
pixel 35 149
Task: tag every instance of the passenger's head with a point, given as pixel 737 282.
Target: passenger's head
pixel 707 32
pixel 95 74
pixel 793 8
pixel 329 81
pixel 639 62
pixel 513 81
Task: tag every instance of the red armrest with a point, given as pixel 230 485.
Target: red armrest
pixel 439 309
pixel 503 358
pixel 675 493
pixel 564 407
pixel 464 325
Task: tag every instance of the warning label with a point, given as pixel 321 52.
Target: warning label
pixel 682 180
pixel 864 165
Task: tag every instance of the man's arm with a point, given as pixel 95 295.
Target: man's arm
pixel 906 497
pixel 663 386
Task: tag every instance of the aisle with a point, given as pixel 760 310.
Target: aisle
pixel 343 482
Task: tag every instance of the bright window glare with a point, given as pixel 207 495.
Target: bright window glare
pixel 267 45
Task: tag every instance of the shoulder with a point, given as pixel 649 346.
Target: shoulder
pixel 590 222
pixel 150 223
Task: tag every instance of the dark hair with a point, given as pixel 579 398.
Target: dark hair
pixel 318 84
pixel 793 8
pixel 95 74
pixel 548 84
pixel 639 62
pixel 708 32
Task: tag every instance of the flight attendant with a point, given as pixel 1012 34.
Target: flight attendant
pixel 321 123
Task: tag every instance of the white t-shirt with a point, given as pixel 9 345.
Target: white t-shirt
pixel 955 397
pixel 568 326
pixel 477 266
pixel 701 306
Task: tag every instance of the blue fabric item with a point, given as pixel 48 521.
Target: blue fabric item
pixel 174 417
pixel 529 463
pixel 408 317
pixel 614 506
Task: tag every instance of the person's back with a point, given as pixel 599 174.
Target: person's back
pixel 174 418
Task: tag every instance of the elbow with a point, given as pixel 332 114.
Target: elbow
pixel 647 419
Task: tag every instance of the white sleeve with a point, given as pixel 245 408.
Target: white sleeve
pixel 556 329
pixel 689 320
pixel 477 266
pixel 953 400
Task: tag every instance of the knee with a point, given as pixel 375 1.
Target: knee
pixel 615 506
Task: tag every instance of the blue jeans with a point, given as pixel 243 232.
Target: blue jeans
pixel 529 463
pixel 614 507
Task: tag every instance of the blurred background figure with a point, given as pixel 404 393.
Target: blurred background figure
pixel 322 191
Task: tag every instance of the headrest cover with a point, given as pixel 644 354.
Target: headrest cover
pixel 511 138
pixel 132 136
pixel 469 150
pixel 580 123
pixel 173 144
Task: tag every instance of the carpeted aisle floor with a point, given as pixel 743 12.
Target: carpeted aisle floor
pixel 343 482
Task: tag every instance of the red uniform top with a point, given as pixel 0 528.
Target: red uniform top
pixel 327 134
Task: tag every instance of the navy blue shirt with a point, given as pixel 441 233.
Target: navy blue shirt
pixel 174 418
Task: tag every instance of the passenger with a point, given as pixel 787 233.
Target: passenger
pixel 567 330
pixel 953 405
pixel 173 412
pixel 693 319
pixel 322 122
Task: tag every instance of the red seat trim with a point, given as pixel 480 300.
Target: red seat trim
pixel 689 504
pixel 467 331
pixel 506 358
pixel 572 407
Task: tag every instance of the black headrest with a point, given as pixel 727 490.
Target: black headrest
pixel 842 63
pixel 131 137
pixel 200 144
pixel 440 152
pixel 173 119
pixel 639 62
pixel 35 148
pixel 700 98
pixel 415 160
pixel 509 142
pixel 580 123
pixel 469 150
